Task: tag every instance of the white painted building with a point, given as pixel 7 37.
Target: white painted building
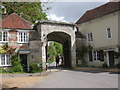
pixel 101 28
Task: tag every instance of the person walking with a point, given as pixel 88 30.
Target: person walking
pixel 57 61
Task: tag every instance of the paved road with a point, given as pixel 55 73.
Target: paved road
pixel 76 79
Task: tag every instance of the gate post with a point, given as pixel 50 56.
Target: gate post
pixel 44 56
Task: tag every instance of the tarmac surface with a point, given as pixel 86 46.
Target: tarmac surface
pixel 78 79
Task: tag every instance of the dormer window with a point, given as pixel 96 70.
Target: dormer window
pixel 23 37
pixel 109 33
pixel 3 36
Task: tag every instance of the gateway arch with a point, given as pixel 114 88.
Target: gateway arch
pixel 61 32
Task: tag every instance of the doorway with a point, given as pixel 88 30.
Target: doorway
pixel 23 58
pixel 111 59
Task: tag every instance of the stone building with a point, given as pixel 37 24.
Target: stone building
pixel 15 31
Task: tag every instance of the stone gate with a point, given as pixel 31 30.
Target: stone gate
pixel 63 33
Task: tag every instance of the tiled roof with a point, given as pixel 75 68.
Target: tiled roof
pixel 100 11
pixel 15 21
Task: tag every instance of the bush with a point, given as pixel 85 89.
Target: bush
pixel 104 65
pixel 2 70
pixel 16 65
pixel 34 67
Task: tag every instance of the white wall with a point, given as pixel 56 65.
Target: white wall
pixel 98 28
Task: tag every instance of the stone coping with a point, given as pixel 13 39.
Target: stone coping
pixel 56 22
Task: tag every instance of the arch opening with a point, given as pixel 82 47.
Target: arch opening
pixel 65 40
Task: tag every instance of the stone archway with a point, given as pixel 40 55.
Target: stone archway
pixel 65 40
pixel 63 33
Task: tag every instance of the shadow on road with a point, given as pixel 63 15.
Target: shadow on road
pixel 97 71
pixel 87 71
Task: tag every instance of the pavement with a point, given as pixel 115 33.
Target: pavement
pixel 24 74
pixel 51 69
pixel 59 78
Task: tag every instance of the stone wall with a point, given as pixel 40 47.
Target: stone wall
pixel 35 55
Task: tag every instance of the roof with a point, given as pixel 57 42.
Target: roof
pixel 55 23
pixel 79 35
pixel 100 11
pixel 15 21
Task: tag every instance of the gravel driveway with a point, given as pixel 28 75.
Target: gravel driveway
pixel 77 79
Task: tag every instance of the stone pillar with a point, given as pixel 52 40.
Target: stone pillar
pixel 73 50
pixel 44 56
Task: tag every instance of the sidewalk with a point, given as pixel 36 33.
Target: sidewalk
pixel 24 74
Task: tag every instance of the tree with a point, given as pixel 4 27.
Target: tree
pixel 31 11
pixel 54 49
pixel 58 47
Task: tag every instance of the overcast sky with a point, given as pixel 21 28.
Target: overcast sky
pixel 70 11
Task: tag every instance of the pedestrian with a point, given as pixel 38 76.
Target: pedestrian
pixel 62 61
pixel 57 61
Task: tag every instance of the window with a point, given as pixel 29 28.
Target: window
pixel 23 37
pixel 96 55
pixel 3 36
pixel 5 60
pixel 90 37
pixel 108 33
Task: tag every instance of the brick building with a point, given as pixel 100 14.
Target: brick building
pixel 15 31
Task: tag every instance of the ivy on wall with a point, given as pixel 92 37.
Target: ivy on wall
pixel 80 53
pixel 7 49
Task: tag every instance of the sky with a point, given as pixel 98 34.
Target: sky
pixel 69 11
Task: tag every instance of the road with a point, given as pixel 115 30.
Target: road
pixel 77 79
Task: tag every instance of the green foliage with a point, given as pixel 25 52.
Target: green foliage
pixel 2 51
pixel 80 53
pixel 16 65
pixel 3 70
pixel 31 11
pixel 6 49
pixel 35 68
pixel 53 50
pixel 50 61
pixel 58 48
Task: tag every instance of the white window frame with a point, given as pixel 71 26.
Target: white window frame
pixel 90 37
pixel 5 38
pixel 6 60
pixel 95 55
pixel 25 38
pixel 109 33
